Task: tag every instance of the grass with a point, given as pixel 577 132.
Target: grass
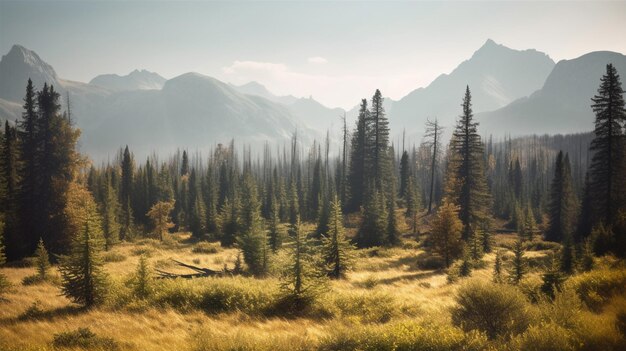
pixel 395 299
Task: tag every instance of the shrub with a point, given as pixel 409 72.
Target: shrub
pixel 541 246
pixel 596 287
pixel 405 336
pixel 5 285
pixel 140 251
pixel 113 257
pixel 366 307
pixel 32 279
pixel 545 337
pixel 204 247
pixel 430 262
pixel 84 338
pixel 33 311
pixel 494 309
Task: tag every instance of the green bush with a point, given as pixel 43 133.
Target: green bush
pixel 33 311
pixel 85 339
pixel 204 247
pixel 494 309
pixel 5 285
pixel 541 246
pixel 405 336
pixel 596 287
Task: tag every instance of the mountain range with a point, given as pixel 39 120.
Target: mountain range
pixel 515 92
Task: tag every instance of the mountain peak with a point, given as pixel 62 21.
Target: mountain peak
pixel 17 66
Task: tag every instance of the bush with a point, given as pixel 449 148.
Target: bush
pixel 366 307
pixel 545 337
pixel 204 247
pixel 216 295
pixel 139 251
pixel 84 338
pixel 494 309
pixel 5 285
pixel 430 262
pixel 405 336
pixel 595 288
pixel 32 279
pixel 113 257
pixel 33 311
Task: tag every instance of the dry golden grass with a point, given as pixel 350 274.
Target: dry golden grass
pixel 389 274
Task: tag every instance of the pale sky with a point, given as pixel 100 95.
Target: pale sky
pixel 338 52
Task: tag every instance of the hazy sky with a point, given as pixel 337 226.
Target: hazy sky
pixel 337 52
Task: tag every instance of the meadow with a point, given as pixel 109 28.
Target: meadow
pixel 396 298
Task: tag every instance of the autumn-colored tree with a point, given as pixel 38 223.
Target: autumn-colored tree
pixel 160 216
pixel 446 232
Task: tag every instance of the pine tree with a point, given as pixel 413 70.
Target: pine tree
pixel 412 203
pixel 465 268
pixel 374 221
pixel 585 220
pixel 475 246
pixel 446 233
pixel 229 222
pixel 43 260
pixel 530 226
pixel 275 235
pixel 337 251
pixel 294 207
pixel 84 280
pixel 606 173
pixel 433 133
pixel 358 161
pixel 467 182
pixel 393 234
pixel 405 173
pixel 518 270
pixel 486 237
pixel 142 283
pixel 110 209
pixel 19 245
pixel 9 183
pixel 160 216
pixel 563 207
pixel 301 281
pixel 497 268
pixel 253 239
pixel 126 191
pixel 586 259
pixel 378 148
pixel 552 279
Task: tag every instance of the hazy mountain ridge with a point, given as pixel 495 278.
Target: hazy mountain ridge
pixel 135 80
pixel 563 104
pixel 496 75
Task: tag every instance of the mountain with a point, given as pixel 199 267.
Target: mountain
pixel 562 105
pixel 257 89
pixel 19 65
pixel 191 110
pixel 135 80
pixel 496 75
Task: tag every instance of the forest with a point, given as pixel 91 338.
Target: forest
pixel 473 243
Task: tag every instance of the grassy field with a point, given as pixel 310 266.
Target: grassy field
pixel 392 300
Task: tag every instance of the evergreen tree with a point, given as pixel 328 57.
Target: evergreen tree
pixel 374 221
pixel 467 185
pixel 412 203
pixel 446 233
pixel 585 220
pixel 337 251
pixel 518 270
pixel 109 210
pixel 393 234
pixel 486 237
pixel 43 260
pixel 552 279
pixel 586 259
pixel 9 184
pixel 433 133
pixel 275 236
pixel 301 281
pixel 253 240
pixel 229 222
pixel 465 269
pixel 530 226
pixel 475 246
pixel 19 244
pixel 294 207
pixel 405 173
pixel 562 208
pixel 126 191
pixel 3 257
pixel 84 280
pixel 606 174
pixel 358 161
pixel 497 268
pixel 160 216
pixel 184 168
pixel 142 283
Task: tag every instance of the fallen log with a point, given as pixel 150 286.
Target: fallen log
pixel 200 272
